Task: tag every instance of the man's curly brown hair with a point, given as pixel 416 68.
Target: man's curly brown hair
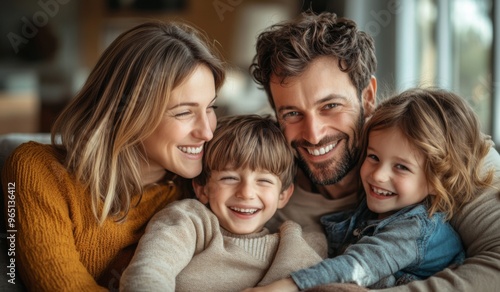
pixel 286 49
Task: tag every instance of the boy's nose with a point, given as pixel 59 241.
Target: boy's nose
pixel 245 191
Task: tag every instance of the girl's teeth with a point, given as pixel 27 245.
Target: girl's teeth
pixel 382 192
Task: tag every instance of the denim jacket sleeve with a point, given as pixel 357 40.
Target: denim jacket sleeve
pixel 408 245
pixel 390 249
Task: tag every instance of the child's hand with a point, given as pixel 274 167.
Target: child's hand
pixel 283 285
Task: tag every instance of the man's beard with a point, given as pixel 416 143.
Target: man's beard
pixel 332 171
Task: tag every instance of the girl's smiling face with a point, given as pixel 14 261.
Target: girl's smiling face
pixel 392 172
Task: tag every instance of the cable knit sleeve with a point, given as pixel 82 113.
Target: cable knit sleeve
pixel 172 237
pixel 44 241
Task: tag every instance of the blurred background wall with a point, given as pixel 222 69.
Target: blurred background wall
pixel 47 47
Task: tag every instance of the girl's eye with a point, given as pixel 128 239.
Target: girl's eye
pixel 372 157
pixel 402 167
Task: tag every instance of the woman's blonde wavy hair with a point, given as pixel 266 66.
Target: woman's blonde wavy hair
pixel 122 103
pixel 445 129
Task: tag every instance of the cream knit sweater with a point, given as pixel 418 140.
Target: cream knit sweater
pixel 185 249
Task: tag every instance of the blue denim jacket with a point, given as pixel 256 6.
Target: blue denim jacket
pixel 405 246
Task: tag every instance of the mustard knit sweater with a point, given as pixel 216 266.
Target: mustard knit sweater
pixel 59 245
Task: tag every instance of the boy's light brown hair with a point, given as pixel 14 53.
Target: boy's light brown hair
pixel 251 141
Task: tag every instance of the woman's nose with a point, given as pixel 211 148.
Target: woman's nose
pixel 204 128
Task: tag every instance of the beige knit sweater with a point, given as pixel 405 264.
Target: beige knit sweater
pixel 478 225
pixel 185 249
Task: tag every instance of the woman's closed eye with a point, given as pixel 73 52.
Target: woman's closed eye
pixel 182 114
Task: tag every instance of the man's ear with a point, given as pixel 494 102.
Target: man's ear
pixel 285 196
pixel 369 97
pixel 200 193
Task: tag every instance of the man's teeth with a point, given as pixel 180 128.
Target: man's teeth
pixel 240 210
pixel 382 192
pixel 322 150
pixel 191 150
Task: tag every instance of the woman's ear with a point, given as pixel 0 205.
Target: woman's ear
pixel 285 196
pixel 200 193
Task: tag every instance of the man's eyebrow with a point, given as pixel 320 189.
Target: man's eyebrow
pixel 318 102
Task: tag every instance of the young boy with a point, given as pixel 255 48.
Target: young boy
pixel 248 171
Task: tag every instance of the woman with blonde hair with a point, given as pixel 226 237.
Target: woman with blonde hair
pixel 141 120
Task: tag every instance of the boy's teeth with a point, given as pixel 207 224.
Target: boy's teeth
pixel 321 150
pixel 250 211
pixel 191 150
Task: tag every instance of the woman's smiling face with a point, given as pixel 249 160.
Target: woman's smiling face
pixel 177 143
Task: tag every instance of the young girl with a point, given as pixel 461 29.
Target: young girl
pixel 423 152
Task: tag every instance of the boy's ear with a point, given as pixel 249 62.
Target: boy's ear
pixel 200 193
pixel 285 196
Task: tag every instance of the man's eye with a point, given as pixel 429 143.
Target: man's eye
pixel 331 105
pixel 291 117
pixel 290 114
